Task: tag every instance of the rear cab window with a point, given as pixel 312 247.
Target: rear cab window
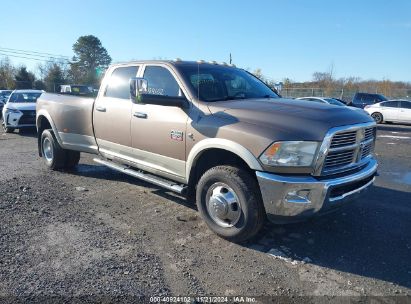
pixel 119 82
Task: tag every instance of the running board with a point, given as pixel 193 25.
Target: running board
pixel 170 185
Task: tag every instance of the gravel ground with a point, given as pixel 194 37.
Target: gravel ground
pixel 97 235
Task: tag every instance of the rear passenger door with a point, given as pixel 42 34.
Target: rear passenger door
pixel 390 110
pixel 405 112
pixel 112 112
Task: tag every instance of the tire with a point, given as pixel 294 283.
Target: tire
pixel 7 129
pixel 73 157
pixel 377 117
pixel 229 201
pixel 55 156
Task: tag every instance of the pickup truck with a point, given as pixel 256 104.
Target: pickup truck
pixel 217 135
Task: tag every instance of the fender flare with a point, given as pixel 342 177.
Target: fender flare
pixel 51 122
pixel 224 144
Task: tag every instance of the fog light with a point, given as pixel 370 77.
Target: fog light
pixel 298 197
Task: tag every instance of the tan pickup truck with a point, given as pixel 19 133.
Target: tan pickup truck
pixel 217 134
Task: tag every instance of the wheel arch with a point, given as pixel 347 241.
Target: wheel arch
pixel 43 122
pixel 211 152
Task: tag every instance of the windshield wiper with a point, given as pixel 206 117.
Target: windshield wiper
pixel 234 97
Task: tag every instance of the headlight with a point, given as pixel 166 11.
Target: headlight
pixel 290 153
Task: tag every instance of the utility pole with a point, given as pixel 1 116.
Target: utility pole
pixel 231 59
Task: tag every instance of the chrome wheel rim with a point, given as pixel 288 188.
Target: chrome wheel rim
pixel 376 117
pixel 48 149
pixel 223 205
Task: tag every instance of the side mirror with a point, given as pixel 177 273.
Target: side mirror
pixel 139 94
pixel 138 86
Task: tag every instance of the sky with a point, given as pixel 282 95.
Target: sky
pixel 292 39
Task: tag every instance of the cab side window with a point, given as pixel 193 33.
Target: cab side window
pixel 119 82
pixel 161 82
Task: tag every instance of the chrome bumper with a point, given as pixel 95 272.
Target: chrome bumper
pixel 294 198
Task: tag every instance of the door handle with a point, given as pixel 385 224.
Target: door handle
pixel 140 115
pixel 101 109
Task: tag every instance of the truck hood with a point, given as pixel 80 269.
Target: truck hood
pixel 21 106
pixel 288 118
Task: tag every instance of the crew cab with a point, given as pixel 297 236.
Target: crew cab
pixel 219 136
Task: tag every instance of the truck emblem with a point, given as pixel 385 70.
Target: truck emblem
pixel 176 135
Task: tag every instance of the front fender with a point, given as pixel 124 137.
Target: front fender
pixel 224 144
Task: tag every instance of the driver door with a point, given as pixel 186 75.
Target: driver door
pixel 158 132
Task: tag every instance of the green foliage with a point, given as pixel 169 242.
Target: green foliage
pixel 39 85
pixel 24 79
pixel 54 78
pixel 89 60
pixel 7 72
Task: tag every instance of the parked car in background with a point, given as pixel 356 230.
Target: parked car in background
pixel 346 102
pixel 20 110
pixel 329 100
pixel 4 95
pixel 360 100
pixel 390 111
pixel 79 90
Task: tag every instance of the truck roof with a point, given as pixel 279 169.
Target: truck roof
pixel 176 62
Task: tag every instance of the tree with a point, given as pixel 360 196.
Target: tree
pixel 39 85
pixel 7 72
pixel 90 58
pixel 54 78
pixel 24 79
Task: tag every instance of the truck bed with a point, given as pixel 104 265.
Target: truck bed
pixel 72 118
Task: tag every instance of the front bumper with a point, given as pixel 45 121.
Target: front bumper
pixel 19 120
pixel 295 198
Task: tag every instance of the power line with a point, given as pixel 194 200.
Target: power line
pixel 35 52
pixel 31 58
pixel 32 55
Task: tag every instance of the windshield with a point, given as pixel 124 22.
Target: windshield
pixel 334 102
pixel 24 97
pixel 381 97
pixel 216 83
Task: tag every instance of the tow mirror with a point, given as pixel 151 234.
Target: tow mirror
pixel 138 87
pixel 139 93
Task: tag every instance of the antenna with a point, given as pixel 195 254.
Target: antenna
pixel 231 59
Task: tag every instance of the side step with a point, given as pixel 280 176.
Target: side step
pixel 170 185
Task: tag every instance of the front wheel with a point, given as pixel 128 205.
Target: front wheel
pixel 378 118
pixel 7 129
pixel 229 201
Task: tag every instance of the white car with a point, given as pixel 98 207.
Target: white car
pixel 328 100
pixel 20 110
pixel 390 111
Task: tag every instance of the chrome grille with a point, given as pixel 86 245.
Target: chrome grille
pixel 347 148
pixel 344 139
pixel 369 133
pixel 336 159
pixel 367 150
